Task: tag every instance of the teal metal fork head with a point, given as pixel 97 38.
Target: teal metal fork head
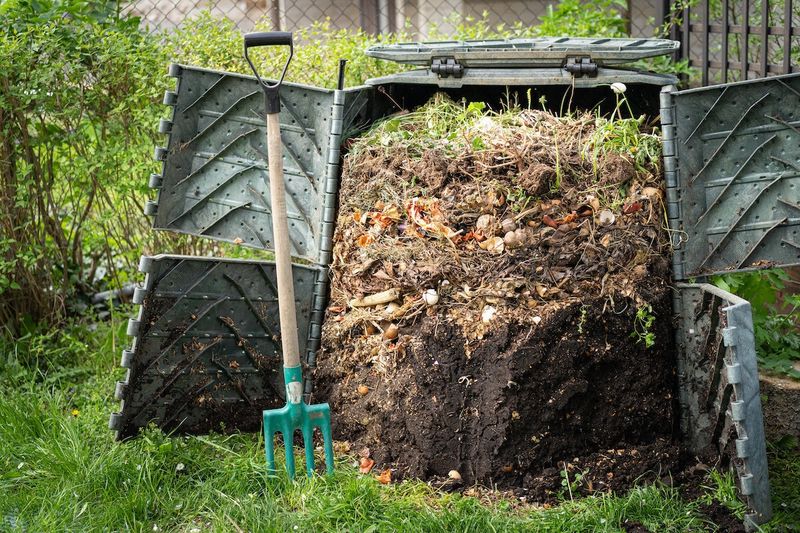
pixel 295 415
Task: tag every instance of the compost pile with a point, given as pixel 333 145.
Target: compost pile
pixel 500 309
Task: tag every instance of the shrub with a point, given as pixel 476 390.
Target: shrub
pixel 77 96
pixel 318 49
pixel 600 18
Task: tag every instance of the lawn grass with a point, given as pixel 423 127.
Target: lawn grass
pixel 61 470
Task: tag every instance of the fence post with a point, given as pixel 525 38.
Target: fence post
pixel 787 36
pixel 274 14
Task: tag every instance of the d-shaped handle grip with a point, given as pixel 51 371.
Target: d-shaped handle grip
pixel 269 38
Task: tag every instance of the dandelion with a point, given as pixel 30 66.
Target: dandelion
pixel 618 87
pixel 75 412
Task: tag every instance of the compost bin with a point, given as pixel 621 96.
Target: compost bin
pixel 515 404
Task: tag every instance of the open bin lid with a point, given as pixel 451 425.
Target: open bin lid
pixel 543 61
pixel 521 53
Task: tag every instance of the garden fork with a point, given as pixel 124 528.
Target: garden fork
pixel 296 414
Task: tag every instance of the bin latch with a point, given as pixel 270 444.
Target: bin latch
pixel 446 67
pixel 581 66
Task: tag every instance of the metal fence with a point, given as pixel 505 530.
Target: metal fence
pixel 730 40
pixel 724 40
pixel 418 17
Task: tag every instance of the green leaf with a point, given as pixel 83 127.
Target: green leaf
pixel 476 107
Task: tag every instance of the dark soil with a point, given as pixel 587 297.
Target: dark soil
pixel 635 527
pixel 724 519
pixel 522 406
pixel 782 406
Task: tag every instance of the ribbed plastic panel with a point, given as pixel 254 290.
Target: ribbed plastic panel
pixel 214 181
pixel 206 344
pixel 731 153
pixel 719 390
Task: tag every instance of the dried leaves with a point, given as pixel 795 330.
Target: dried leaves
pixel 365 465
pixel 384 477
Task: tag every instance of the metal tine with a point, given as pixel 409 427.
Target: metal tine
pixel 269 446
pixel 308 444
pixel 327 443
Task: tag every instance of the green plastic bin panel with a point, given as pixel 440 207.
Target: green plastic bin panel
pixel 719 399
pixel 214 181
pixel 206 344
pixel 732 162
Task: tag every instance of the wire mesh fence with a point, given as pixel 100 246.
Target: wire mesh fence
pixel 417 17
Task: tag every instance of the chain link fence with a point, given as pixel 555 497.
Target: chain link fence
pixel 418 17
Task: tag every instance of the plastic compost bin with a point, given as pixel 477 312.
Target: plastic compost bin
pixel 731 161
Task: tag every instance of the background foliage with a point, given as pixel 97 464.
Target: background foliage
pixel 76 119
pixel 80 93
pixel 776 317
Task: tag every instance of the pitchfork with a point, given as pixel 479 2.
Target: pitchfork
pixel 296 414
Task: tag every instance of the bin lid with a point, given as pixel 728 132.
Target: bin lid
pixel 532 52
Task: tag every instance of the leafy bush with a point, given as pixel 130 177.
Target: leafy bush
pixel 317 51
pixel 777 332
pixel 77 115
pixel 600 18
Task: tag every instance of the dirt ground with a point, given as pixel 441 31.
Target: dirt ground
pixel 781 401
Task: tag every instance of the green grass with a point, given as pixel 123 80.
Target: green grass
pixel 60 470
pixel 784 469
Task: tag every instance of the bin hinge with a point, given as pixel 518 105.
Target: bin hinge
pixel 581 66
pixel 447 67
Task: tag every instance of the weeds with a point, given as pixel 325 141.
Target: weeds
pixel 643 326
pixel 627 136
pixel 571 485
pixel 721 486
pixel 582 319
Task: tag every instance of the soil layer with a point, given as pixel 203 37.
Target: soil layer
pixel 524 406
